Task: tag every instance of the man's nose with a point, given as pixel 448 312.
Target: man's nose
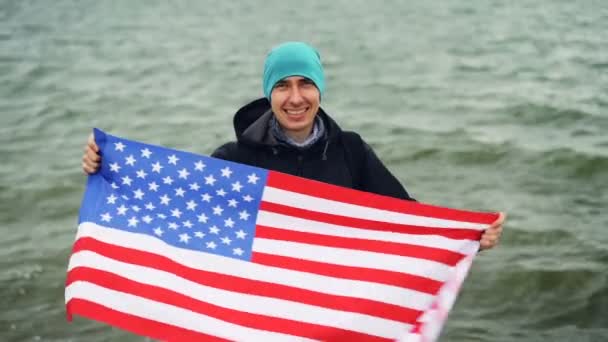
pixel 295 96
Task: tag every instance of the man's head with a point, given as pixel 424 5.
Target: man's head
pixel 293 83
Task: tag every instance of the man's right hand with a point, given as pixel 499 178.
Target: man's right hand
pixel 91 160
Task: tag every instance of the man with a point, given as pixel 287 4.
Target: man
pixel 287 131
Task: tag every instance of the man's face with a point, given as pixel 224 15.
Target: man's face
pixel 295 102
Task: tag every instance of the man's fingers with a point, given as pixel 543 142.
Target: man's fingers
pixel 91 143
pixel 92 155
pixel 500 220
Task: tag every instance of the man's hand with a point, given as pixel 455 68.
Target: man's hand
pixel 91 159
pixel 491 236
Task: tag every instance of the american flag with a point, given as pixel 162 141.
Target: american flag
pixel 178 246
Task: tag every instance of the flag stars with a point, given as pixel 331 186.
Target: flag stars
pixel 164 199
pixel 237 251
pixel 114 167
pixel 206 197
pixel 138 194
pixel 156 167
pixel 158 231
pixel 194 186
pixel 180 192
pixel 112 199
pixel 199 165
pixel 150 206
pixel 199 235
pixel 173 225
pixel 202 218
pixel 130 160
pixel 122 210
pixel 106 217
pixel 114 186
pixel 244 215
pixel 183 173
pixel 141 174
pixel 236 186
pixel 187 224
pixel 229 223
pixel 210 180
pixel 161 216
pixel 119 146
pixel 214 230
pixel 220 192
pixel 168 180
pixel 153 186
pixel 247 198
pixel 126 180
pixel 147 219
pixel 233 203
pixel 133 221
pixel 184 238
pixel 135 208
pixel 191 205
pixel 226 240
pixel 211 245
pixel 252 178
pixel 146 153
pixel 176 213
pixel 173 159
pixel 241 234
pixel 217 210
pixel 226 172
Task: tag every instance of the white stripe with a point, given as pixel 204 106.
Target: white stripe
pixel 297 200
pixel 274 220
pixel 248 270
pixel 254 304
pixel 169 314
pixel 348 257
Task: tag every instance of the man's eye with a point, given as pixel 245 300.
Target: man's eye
pixel 280 85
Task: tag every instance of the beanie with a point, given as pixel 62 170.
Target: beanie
pixel 292 59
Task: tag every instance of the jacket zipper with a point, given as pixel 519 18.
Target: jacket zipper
pixel 300 165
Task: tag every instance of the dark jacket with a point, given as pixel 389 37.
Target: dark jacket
pixel 341 158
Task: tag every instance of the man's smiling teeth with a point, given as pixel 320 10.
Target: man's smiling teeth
pixel 295 112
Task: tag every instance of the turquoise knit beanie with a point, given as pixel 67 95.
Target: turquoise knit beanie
pixel 292 59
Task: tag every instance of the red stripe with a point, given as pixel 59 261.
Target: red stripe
pixel 337 193
pixel 402 280
pixel 421 252
pixel 246 319
pixel 452 233
pixel 135 324
pixel 248 286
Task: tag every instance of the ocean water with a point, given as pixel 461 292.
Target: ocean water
pixel 486 105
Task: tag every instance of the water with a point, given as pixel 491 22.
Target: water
pixel 480 104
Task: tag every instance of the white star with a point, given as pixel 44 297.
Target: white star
pixel 122 210
pixel 184 238
pixel 125 197
pixel 241 234
pixel 232 203
pixel 164 199
pixel 209 180
pixel 153 186
pixel 229 223
pixel 252 178
pixel 217 210
pixel 244 215
pixel 247 198
pixel 130 160
pixel 126 180
pixel 173 159
pixel 221 192
pixel 146 153
pixel 147 219
pixel 150 206
pixel 226 172
pixel 187 224
pixel 173 225
pixel 114 167
pixel 226 240
pixel 176 213
pixel 237 251
pixel 135 208
pixel 162 216
pixel 141 174
pixel 156 167
pixel 168 180
pixel 106 217
pixel 133 221
pixel 114 186
pixel 237 186
pixel 183 173
pixel 158 231
pixel 199 165
pixel 119 146
pixel 112 199
pixel 206 197
pixel 194 186
pixel 138 194
pixel 211 245
pixel 190 205
pixel 214 230
pixel 202 218
pixel 199 234
pixel 180 192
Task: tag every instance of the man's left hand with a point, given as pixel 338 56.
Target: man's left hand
pixel 491 236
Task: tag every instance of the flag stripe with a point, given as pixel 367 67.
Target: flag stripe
pixel 369 200
pixel 407 281
pixel 354 222
pixel 136 323
pixel 329 284
pixel 239 306
pixel 272 219
pixel 255 321
pixel 421 252
pixel 252 287
pixel 353 258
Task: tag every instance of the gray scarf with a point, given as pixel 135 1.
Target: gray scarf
pixel 318 131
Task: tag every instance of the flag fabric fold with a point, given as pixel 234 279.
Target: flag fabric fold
pixel 178 246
